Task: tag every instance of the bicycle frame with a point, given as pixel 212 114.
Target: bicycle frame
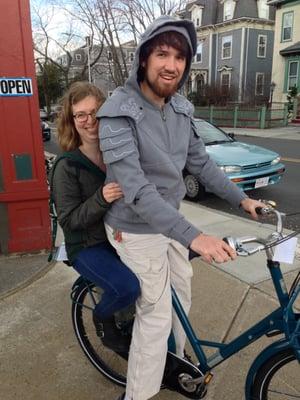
pixel 283 319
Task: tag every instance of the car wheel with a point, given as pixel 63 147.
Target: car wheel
pixel 194 190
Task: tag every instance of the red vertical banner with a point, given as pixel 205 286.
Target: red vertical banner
pixel 24 211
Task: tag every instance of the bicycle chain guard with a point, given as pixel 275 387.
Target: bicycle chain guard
pixel 185 378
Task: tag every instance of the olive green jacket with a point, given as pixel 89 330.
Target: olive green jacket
pixel 80 206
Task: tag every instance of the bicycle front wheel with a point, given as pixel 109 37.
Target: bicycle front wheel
pixel 278 378
pixel 112 365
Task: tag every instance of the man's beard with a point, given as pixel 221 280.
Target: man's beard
pixel 160 90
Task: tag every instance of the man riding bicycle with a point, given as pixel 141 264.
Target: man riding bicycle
pixel 147 138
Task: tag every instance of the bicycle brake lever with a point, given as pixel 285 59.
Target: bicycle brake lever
pixel 242 252
pixel 248 252
pixel 193 254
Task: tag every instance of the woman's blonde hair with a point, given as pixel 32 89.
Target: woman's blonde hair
pixel 67 135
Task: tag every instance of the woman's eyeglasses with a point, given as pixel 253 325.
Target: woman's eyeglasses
pixel 82 117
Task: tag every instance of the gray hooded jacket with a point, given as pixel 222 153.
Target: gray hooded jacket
pixel 146 147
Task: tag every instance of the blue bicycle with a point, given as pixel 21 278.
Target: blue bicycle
pixel 274 374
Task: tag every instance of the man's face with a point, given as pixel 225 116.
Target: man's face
pixel 163 72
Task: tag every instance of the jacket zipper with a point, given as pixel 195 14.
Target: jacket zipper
pixel 163 115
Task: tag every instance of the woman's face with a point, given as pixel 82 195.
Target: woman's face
pixel 84 114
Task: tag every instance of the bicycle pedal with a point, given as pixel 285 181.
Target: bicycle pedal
pixel 273 333
pixel 185 378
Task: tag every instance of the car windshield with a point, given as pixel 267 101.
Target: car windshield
pixel 210 134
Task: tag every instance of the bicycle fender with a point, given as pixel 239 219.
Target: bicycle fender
pixel 79 281
pixel 261 359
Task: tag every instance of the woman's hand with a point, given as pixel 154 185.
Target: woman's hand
pixel 111 192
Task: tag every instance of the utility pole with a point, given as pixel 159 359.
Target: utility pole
pixel 88 45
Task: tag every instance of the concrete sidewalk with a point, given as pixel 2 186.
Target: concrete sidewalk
pixel 290 132
pixel 40 357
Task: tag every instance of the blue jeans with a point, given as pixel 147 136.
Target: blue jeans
pixel 101 265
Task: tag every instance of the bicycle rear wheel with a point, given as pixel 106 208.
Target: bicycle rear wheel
pixel 278 378
pixel 112 365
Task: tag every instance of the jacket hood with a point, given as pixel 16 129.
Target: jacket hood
pixel 162 24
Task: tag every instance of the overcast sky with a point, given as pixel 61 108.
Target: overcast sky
pixel 58 21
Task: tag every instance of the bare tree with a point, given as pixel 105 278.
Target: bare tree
pixel 55 43
pixel 114 22
pixel 104 19
pixel 139 14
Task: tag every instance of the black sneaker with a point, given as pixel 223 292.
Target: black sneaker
pixel 111 335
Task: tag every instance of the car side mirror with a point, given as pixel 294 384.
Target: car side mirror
pixel 231 135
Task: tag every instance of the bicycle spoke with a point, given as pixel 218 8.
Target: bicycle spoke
pixel 109 363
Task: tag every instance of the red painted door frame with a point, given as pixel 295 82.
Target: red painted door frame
pixel 24 211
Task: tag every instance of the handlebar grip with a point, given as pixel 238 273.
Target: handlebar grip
pixel 225 239
pixel 193 254
pixel 269 206
pixel 263 210
pixel 230 241
pixel 258 210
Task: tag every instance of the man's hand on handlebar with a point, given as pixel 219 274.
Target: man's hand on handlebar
pixel 250 205
pixel 212 249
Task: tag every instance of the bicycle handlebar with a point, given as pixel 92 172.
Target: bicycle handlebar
pixel 238 243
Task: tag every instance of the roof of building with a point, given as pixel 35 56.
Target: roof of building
pixel 214 9
pixel 294 49
pixel 275 2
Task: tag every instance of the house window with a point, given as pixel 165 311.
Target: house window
pixel 131 56
pixel 293 71
pixel 226 47
pixel 261 46
pixel 78 57
pixel 198 57
pixel 263 9
pixel 225 82
pixel 109 55
pixel 287 26
pixel 259 83
pixel 197 16
pixel 228 10
pixel 200 83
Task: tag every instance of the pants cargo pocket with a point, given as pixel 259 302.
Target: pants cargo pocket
pixel 154 281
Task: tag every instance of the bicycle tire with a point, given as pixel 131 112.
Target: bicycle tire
pixel 278 378
pixel 110 364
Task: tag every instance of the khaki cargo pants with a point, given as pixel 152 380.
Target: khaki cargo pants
pixel 158 262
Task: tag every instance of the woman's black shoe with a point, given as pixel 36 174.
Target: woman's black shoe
pixel 111 335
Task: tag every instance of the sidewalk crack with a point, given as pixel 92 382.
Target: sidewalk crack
pixel 224 339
